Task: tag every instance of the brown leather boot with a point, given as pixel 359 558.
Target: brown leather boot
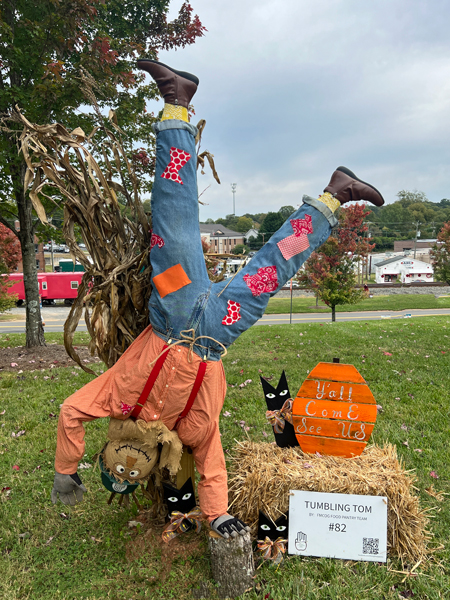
pixel 176 87
pixel 346 187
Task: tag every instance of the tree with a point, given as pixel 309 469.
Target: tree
pixel 272 222
pixel 45 46
pixel 330 271
pixel 243 224
pixel 440 255
pixel 240 249
pixel 9 259
pixel 286 211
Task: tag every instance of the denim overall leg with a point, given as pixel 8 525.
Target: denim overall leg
pixel 235 306
pixel 179 277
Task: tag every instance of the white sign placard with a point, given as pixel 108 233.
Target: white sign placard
pixel 338 526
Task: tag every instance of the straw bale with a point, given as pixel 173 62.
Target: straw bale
pixel 262 475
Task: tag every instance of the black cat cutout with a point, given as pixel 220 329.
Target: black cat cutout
pixel 267 528
pixel 275 399
pixel 182 500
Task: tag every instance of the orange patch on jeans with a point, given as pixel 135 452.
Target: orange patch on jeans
pixel 171 280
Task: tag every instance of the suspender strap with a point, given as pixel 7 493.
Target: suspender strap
pixel 197 383
pixel 150 382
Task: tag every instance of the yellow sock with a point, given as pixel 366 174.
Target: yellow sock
pixel 332 202
pixel 175 112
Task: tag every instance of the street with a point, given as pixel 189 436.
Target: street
pixel 55 316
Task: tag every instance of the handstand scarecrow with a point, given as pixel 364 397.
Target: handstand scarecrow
pixel 177 358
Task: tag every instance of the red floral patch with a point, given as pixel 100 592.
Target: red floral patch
pixel 294 244
pixel 178 158
pixel 301 226
pixel 156 240
pixel 234 308
pixel 125 408
pixel 262 282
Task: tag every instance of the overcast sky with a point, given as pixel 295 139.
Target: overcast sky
pixel 291 89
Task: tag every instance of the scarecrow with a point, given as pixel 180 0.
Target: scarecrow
pixel 173 371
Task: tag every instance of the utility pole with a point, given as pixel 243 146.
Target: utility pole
pixel 233 189
pixel 415 240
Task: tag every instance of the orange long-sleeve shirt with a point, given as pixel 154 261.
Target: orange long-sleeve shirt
pixel 113 393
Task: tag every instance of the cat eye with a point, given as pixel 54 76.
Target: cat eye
pixel 134 473
pixel 186 496
pixel 270 396
pixel 281 528
pixel 265 527
pixel 172 499
pixel 284 392
pixel 120 468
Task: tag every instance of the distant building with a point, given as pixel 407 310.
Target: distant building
pixel 403 269
pixel 424 246
pixel 251 233
pixel 222 239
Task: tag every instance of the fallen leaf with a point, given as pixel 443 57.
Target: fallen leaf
pixel 16 468
pixel 404 427
pixel 264 434
pixel 387 353
pixel 379 408
pixel 227 414
pixel 14 365
pixel 432 474
pixel 418 450
pixel 406 444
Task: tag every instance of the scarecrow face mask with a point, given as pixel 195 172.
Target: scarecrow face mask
pixel 130 460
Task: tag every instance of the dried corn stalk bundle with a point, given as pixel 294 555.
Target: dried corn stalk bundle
pixel 116 286
pixel 262 476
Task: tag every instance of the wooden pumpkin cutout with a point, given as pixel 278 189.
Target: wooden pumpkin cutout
pixel 334 412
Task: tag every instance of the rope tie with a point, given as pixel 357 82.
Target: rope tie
pixel 188 337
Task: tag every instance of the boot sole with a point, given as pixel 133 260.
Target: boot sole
pixel 182 74
pixel 353 176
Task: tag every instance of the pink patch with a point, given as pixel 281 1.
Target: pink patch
pixel 264 281
pixel 156 240
pixel 234 308
pixel 178 158
pixel 295 244
pixel 125 408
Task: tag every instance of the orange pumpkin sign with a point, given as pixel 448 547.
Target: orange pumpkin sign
pixel 334 412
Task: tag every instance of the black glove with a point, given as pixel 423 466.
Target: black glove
pixel 227 525
pixel 69 487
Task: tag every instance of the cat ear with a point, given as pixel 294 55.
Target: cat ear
pixel 187 487
pixel 282 386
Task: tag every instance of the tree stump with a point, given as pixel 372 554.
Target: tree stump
pixel 232 564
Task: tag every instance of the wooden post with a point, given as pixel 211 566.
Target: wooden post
pixel 232 564
pixel 187 467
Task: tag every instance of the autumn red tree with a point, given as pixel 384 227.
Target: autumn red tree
pixel 9 259
pixel 44 48
pixel 330 271
pixel 440 255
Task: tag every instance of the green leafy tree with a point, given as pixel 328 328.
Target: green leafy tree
pixel 286 211
pixel 440 255
pixel 243 224
pixel 240 249
pixel 44 46
pixel 272 222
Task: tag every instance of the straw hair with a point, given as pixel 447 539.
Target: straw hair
pixel 262 476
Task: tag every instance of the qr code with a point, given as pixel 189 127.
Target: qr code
pixel 370 545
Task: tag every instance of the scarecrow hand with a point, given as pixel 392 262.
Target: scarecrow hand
pixel 227 525
pixel 69 487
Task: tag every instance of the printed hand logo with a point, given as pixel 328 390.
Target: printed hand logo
pixel 301 542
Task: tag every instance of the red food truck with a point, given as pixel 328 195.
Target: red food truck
pixel 52 286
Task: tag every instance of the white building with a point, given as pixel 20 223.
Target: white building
pixel 403 269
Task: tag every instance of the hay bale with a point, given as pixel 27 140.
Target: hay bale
pixel 262 475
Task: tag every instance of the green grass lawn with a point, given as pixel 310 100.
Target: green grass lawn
pixel 388 302
pixel 50 552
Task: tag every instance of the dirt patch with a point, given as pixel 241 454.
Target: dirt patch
pixel 149 542
pixel 21 358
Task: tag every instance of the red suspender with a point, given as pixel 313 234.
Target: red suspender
pixel 150 382
pixel 152 378
pixel 194 392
